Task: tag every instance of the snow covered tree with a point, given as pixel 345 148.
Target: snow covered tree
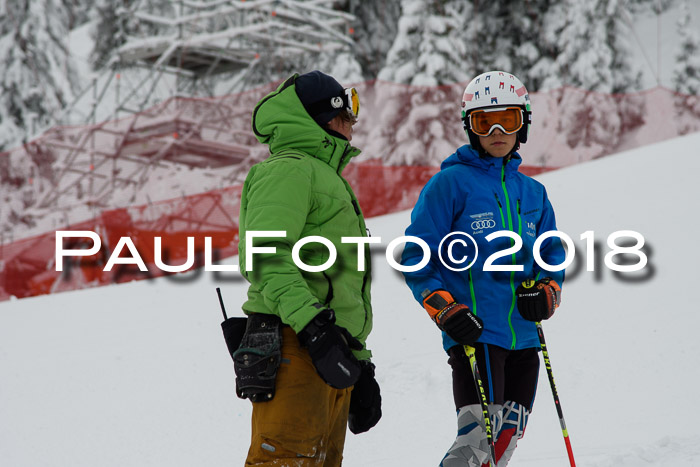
pixel 686 72
pixel 481 35
pixel 421 124
pixel 486 26
pixel 592 55
pixel 77 11
pixel 593 52
pixel 507 36
pixel 109 32
pixel 116 21
pixel 429 49
pixel 38 79
pixel 373 32
pixel 342 65
pixel 38 76
pixel 526 21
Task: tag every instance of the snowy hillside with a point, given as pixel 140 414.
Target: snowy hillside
pixel 138 374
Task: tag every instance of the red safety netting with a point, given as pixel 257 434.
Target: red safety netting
pixel 29 264
pixel 119 178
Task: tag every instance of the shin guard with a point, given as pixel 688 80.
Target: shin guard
pixel 470 448
pixel 512 428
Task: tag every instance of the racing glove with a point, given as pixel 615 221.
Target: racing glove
pixel 538 300
pixel 455 319
pixel 329 346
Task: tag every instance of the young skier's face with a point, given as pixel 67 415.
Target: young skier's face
pixel 498 144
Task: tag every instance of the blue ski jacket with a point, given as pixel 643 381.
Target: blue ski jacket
pixel 479 196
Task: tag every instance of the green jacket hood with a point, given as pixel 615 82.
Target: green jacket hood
pixel 281 122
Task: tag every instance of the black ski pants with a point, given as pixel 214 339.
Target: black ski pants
pixel 507 375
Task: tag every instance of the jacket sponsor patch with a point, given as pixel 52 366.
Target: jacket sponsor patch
pixel 482 221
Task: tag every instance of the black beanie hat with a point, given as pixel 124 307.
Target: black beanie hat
pixel 315 88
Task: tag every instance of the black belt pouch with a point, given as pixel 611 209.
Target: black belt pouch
pixel 257 358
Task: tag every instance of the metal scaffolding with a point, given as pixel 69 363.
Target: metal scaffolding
pixel 151 108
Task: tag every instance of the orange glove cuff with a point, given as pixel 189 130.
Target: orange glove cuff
pixel 437 302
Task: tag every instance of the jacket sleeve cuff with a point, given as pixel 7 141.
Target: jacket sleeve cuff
pixel 364 354
pixel 303 316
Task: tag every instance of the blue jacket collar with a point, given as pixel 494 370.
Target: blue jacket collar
pixel 467 155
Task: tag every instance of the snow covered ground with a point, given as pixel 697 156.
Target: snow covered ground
pixel 138 374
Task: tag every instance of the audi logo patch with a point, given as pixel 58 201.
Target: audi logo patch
pixel 484 224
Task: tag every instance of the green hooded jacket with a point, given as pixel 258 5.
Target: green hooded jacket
pixel 299 189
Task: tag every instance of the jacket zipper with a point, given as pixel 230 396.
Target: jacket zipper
pixel 500 210
pixel 513 259
pixel 355 206
pixel 368 260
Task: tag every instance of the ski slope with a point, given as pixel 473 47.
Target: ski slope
pixel 138 374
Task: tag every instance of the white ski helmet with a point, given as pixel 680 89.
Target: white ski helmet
pixel 495 89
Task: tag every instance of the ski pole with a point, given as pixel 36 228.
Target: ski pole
pixel 548 366
pixel 469 350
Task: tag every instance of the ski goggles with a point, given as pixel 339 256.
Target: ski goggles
pixel 483 121
pixel 352 102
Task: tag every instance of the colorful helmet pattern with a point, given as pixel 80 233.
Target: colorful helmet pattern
pixel 491 90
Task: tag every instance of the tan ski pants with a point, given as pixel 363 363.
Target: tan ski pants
pixel 305 423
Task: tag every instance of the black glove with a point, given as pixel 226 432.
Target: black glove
pixel 455 319
pixel 329 346
pixel 538 300
pixel 365 401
